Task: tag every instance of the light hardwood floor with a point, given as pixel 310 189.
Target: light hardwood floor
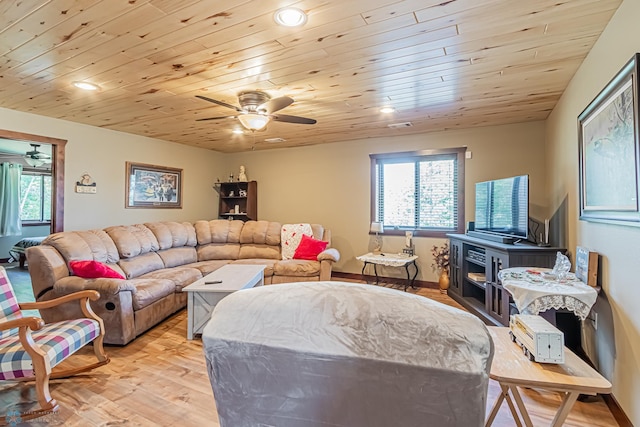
pixel 160 379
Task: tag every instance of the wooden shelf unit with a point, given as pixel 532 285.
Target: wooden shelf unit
pixel 230 197
pixel 488 299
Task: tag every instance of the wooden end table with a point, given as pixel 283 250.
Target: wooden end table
pixel 203 297
pixel 512 369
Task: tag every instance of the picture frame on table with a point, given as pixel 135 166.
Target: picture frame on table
pixel 587 266
pixel 609 152
pixel 152 186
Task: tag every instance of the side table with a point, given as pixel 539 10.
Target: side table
pixel 391 260
pixel 512 369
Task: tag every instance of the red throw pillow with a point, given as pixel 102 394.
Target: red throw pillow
pixel 309 248
pixel 93 270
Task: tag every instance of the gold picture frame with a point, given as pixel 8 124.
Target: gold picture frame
pixel 153 186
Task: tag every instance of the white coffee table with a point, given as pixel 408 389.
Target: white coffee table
pixel 203 297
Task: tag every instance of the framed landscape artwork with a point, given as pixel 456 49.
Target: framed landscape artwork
pixel 608 150
pixel 151 186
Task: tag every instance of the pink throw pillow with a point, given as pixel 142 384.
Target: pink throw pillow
pixel 93 270
pixel 309 248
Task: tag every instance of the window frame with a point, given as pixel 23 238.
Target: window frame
pixel 42 174
pixel 413 156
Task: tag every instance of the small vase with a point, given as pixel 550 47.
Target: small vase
pixel 443 281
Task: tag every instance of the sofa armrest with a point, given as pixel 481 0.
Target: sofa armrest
pixel 330 254
pixel 105 286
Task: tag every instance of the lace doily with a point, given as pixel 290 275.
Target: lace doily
pixel 557 302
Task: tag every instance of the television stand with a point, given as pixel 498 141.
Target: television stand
pixel 493 237
pixel 474 264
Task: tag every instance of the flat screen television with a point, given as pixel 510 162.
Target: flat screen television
pixel 502 207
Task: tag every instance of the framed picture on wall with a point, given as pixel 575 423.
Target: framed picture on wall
pixel 151 186
pixel 608 151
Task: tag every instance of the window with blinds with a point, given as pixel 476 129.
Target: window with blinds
pixel 419 191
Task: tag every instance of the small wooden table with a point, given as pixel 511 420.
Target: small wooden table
pixel 391 260
pixel 203 297
pixel 512 369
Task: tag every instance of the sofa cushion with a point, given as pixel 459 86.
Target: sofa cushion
pixel 133 240
pixel 309 248
pixel 213 251
pixel 207 267
pixel 268 263
pixel 93 270
pixel 261 232
pixel 148 291
pixel 173 234
pixel 141 264
pixel 179 276
pixel 296 267
pixel 218 231
pixel 290 237
pixel 174 257
pixel 84 245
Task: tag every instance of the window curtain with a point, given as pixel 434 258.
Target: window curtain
pixel 10 223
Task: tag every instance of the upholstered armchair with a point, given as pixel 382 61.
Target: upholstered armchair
pixel 30 349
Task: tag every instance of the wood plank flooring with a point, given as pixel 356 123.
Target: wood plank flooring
pixel 160 379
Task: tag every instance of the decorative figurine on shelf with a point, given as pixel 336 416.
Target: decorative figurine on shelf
pixel 242 193
pixel 242 176
pixel 230 177
pixel 408 243
pixel 561 268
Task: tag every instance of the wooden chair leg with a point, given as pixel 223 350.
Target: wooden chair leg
pixel 42 374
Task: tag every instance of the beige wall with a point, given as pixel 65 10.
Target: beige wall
pixel 103 153
pixel 330 183
pixel 615 346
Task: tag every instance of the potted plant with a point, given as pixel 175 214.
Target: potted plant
pixel 441 265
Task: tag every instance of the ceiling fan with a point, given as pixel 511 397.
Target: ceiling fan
pixel 257 108
pixel 36 158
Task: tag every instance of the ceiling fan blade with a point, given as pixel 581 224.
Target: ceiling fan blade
pixel 276 104
pixel 292 119
pixel 216 118
pixel 224 104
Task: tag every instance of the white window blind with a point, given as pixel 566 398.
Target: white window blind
pixel 419 190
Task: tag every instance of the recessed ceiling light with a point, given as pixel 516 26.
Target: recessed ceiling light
pixel 290 17
pixel 238 131
pixel 387 110
pixel 86 85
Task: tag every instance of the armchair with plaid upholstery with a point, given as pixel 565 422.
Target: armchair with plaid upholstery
pixel 30 349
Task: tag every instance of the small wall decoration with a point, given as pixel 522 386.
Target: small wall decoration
pixel 151 186
pixel 86 184
pixel 608 151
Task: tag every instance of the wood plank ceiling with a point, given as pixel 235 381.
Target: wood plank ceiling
pixel 441 64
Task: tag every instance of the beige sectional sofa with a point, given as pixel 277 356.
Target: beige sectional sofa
pixel 157 260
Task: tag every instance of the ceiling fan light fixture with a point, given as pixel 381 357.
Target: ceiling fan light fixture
pixel 86 86
pixel 253 121
pixel 387 110
pixel 33 162
pixel 290 17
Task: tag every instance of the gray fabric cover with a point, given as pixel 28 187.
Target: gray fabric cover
pixel 345 354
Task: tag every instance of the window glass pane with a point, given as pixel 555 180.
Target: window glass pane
pixel 30 197
pixel 46 209
pixel 437 194
pixel 399 194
